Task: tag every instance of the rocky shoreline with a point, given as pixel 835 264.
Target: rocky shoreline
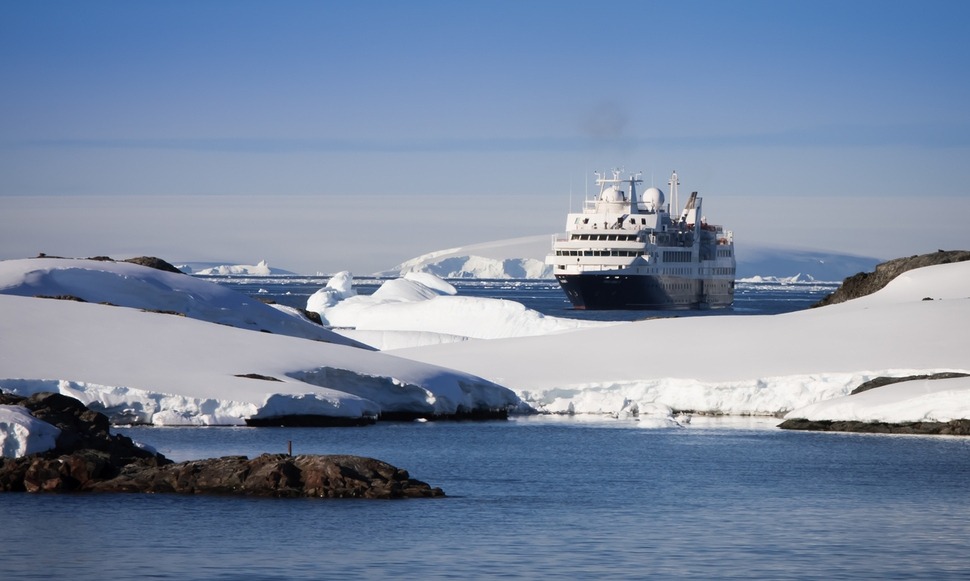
pixel 951 428
pixel 88 458
pixel 866 283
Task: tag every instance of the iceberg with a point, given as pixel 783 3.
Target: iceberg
pixel 421 308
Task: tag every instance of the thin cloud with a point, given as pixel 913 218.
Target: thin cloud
pixel 923 136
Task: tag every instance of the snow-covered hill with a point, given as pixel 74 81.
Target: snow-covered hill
pixel 130 285
pixel 141 362
pixel 769 364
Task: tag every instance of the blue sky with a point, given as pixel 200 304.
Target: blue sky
pixel 473 99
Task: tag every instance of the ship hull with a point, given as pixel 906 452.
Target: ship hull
pixel 643 292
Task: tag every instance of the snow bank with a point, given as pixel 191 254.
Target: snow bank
pixel 131 285
pixel 426 306
pixel 162 369
pixel 925 400
pixel 22 434
pixel 733 364
pixel 156 368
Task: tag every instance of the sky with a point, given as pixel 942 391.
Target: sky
pixel 324 136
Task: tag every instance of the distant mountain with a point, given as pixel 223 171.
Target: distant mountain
pixel 524 258
pixel 819 265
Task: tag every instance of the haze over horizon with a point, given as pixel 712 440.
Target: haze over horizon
pixel 324 136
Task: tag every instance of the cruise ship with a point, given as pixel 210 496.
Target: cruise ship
pixel 628 251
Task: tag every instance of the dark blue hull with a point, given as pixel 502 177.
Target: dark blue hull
pixel 622 291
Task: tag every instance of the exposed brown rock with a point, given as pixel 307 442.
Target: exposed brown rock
pixel 881 381
pixel 275 475
pixel 866 283
pixel 951 428
pixel 88 458
pixel 154 262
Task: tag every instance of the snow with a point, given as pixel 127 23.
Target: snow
pixel 455 351
pixel 22 433
pixel 794 279
pixel 162 369
pixel 502 259
pixel 338 288
pixel 262 268
pixel 131 285
pixel 769 364
pixel 420 308
pixel 938 400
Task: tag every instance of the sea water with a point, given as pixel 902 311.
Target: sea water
pixel 545 296
pixel 533 497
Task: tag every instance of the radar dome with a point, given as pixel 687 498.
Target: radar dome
pixel 611 194
pixel 652 198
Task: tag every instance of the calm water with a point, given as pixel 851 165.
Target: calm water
pixel 545 296
pixel 532 498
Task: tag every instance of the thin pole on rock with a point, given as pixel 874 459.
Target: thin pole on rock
pixel 289 447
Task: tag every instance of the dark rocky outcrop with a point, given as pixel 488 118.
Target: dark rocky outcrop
pixel 866 283
pixel 154 262
pixel 881 381
pixel 276 475
pixel 88 458
pixel 463 414
pixel 310 421
pixel 951 428
pixel 149 261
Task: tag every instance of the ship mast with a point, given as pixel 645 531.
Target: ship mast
pixel 633 181
pixel 673 183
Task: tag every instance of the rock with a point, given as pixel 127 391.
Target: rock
pixel 85 429
pixel 153 262
pixel 959 427
pixel 275 475
pixel 881 381
pixel 88 458
pixel 951 428
pixel 866 283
